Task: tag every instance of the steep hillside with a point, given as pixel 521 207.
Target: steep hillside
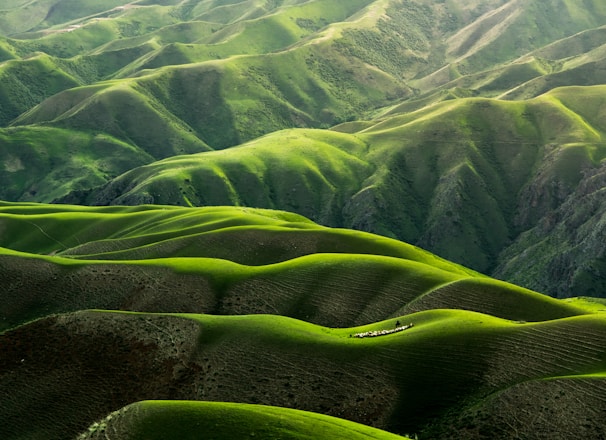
pixel 207 301
pixel 337 322
pixel 465 179
pixel 232 261
pixel 238 71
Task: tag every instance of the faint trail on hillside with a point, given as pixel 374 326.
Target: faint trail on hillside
pixel 45 234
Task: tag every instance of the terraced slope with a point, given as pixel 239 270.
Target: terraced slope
pixel 91 363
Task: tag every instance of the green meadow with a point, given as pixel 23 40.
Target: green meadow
pixel 440 145
pixel 467 179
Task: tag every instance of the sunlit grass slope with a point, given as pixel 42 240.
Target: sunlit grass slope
pixel 166 420
pixel 311 63
pixel 255 90
pixel 463 178
pixel 225 102
pixel 227 260
pixel 200 76
pixel 403 382
pixel 312 172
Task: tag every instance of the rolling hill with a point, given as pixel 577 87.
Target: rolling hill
pixel 288 308
pixel 89 364
pixel 194 189
pixel 132 88
pixel 217 420
pixel 228 304
pixel 469 179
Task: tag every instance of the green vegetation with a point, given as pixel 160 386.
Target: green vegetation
pixel 44 163
pixel 429 164
pixel 188 420
pixel 472 129
pixel 464 178
pixel 395 382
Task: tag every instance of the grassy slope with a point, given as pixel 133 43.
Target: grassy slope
pixel 188 420
pixel 44 163
pixel 515 29
pixel 470 168
pixel 135 264
pixel 511 410
pixel 390 381
pixel 251 92
pixel 395 382
pixel 26 83
pixel 232 261
pixel 240 98
pixel 463 178
pixel 122 112
pixel 183 110
pixel 310 172
pixel 481 159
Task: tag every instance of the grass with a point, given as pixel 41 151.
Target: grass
pixel 184 420
pixel 229 260
pixel 395 175
pixel 44 163
pixel 26 83
pixel 399 382
pixel 506 186
pixel 261 84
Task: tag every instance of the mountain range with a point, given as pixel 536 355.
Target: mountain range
pixel 473 130
pixel 204 201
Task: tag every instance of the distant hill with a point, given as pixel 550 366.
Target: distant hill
pixel 468 179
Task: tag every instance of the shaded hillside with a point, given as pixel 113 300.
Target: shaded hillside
pixel 457 345
pixel 465 179
pixel 443 124
pixel 89 364
pixel 42 163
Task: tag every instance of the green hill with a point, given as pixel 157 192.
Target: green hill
pixel 188 420
pixel 464 178
pixel 419 158
pixel 212 260
pixel 404 382
pixel 474 341
pixel 208 302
